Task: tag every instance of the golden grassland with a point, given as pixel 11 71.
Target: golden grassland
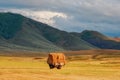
pixel 88 66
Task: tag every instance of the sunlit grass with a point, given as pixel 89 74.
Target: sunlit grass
pixel 94 65
pixel 30 65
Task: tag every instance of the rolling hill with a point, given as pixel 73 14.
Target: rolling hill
pixel 117 39
pixel 20 33
pixel 97 39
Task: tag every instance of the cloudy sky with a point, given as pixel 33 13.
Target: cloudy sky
pixel 70 15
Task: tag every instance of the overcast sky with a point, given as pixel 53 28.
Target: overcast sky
pixel 70 15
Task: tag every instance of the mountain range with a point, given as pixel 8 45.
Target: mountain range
pixel 18 32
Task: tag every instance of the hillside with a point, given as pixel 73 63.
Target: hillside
pixel 97 39
pixel 20 33
pixel 17 35
pixel 117 39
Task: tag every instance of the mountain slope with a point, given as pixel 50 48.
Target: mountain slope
pixel 20 33
pixel 62 38
pixel 16 34
pixel 59 38
pixel 97 39
pixel 10 24
pixel 117 39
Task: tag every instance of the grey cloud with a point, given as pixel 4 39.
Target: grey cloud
pixel 100 15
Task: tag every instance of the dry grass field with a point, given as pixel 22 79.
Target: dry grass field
pixel 92 65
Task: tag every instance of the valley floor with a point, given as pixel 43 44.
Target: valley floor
pixel 31 68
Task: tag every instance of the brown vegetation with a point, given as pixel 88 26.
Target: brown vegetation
pixel 81 65
pixel 56 60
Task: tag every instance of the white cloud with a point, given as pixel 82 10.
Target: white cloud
pixel 41 16
pixel 71 15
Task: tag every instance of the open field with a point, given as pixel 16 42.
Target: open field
pixel 78 67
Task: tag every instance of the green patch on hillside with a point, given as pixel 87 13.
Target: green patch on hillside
pixel 10 24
